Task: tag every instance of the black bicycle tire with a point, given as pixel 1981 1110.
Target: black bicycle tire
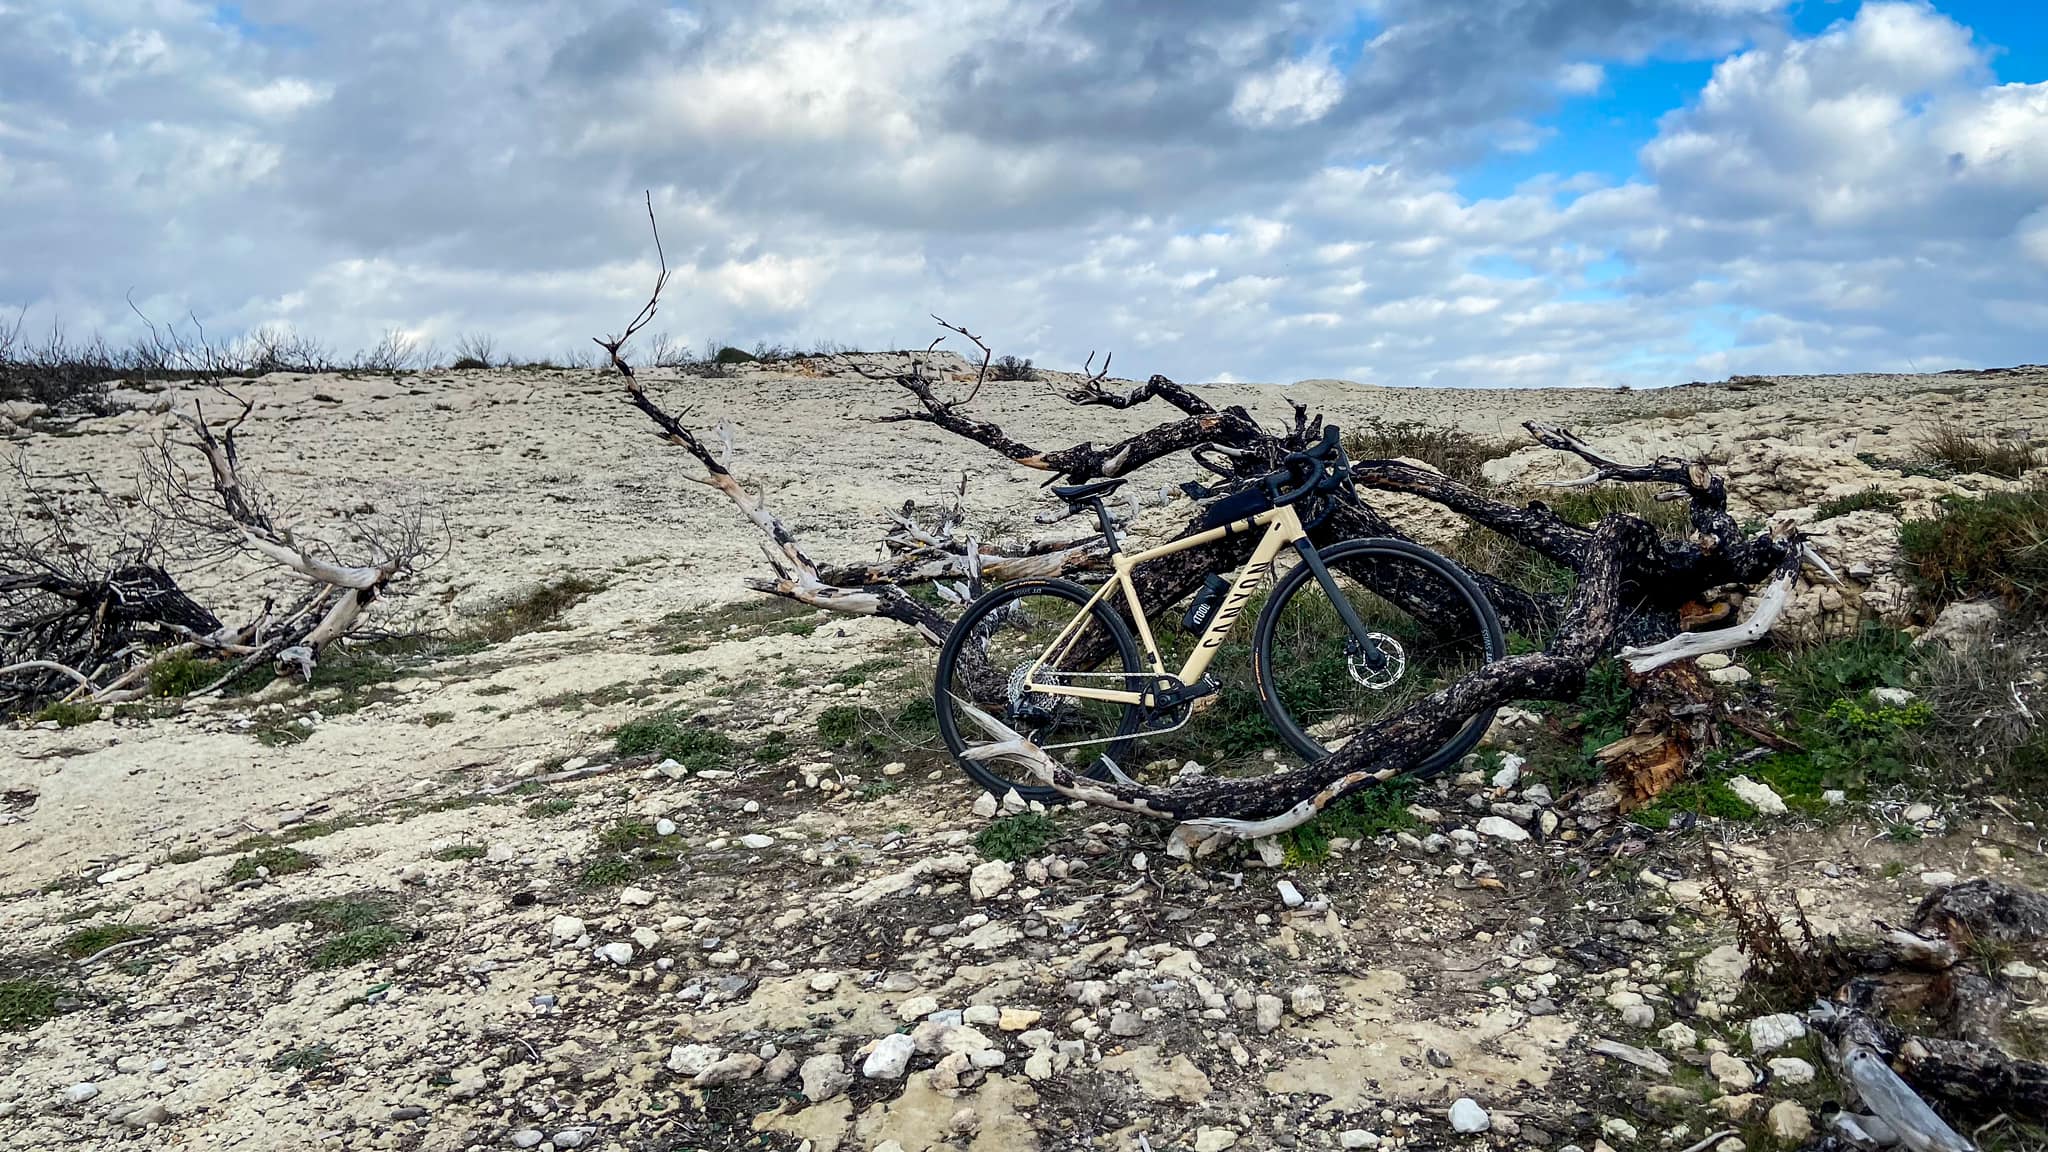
pixel 949 654
pixel 1476 603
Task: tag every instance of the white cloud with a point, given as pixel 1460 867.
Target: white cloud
pixel 1581 78
pixel 1290 95
pixel 1177 182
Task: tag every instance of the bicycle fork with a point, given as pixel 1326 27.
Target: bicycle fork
pixel 1361 645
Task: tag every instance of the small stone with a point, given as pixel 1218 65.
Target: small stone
pixel 824 1076
pixel 1733 674
pixel 1789 1122
pixel 1501 829
pixel 1792 1070
pixel 989 878
pixel 1898 698
pixel 1307 1001
pixel 1214 1139
pixel 566 929
pixel 1126 1024
pixel 1357 1138
pixel 1290 895
pixel 1013 804
pixel 756 841
pixel 1770 1033
pixel 1618 1128
pixel 731 1070
pixel 1639 1016
pixel 1757 795
pixel 1732 1072
pixel 1709 661
pixel 618 952
pixel 1017 1019
pixel 1938 879
pixel 890 1056
pixel 1834 797
pixel 80 1093
pixel 571 1138
pixel 917 1008
pixel 1267 1012
pixel 526 1137
pixel 690 1059
pixel 636 897
pixel 1678 1037
pixel 825 981
pixel 1510 772
pixel 1468 1117
pixel 663 827
pixel 1437 1058
pixel 985 805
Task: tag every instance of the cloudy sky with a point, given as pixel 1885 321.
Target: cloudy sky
pixel 1477 192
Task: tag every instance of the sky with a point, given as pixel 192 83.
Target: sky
pixel 1404 192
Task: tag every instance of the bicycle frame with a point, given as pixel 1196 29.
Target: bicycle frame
pixel 1283 528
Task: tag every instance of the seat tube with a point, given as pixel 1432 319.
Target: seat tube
pixel 1108 527
pixel 1369 651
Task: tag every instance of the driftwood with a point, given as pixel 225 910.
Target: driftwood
pixel 1633 586
pixel 88 608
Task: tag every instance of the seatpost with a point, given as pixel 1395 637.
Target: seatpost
pixel 1102 518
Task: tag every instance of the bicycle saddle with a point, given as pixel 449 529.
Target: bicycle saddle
pixel 1074 493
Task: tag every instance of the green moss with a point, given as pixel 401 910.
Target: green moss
pixel 860 673
pixel 90 941
pixel 455 852
pixel 278 861
pixel 773 748
pixel 626 851
pixel 282 735
pixel 495 690
pixel 1017 837
pixel 673 737
pixel 552 806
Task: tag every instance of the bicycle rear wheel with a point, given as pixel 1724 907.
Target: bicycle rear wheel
pixel 1425 614
pixel 984 663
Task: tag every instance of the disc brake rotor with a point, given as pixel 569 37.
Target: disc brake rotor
pixel 1389 673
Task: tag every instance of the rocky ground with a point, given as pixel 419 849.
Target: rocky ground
pixel 444 901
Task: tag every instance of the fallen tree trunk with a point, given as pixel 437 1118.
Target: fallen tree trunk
pixel 1633 585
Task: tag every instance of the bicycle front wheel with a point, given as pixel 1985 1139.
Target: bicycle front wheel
pixel 987 665
pixel 1426 616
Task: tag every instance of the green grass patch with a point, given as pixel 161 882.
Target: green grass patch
pixel 356 946
pixel 872 790
pixel 278 861
pixel 307 1058
pixel 98 938
pixel 66 714
pixel 182 675
pixel 455 852
pixel 1994 545
pixel 1361 815
pixel 551 806
pixel 1872 499
pixel 1588 506
pixel 1017 837
pixel 1458 455
pixel 532 611
pixel 1948 446
pixel 1703 798
pixel 27 1003
pixel 496 690
pixel 773 748
pixel 864 671
pixel 673 737
pixel 626 851
pixel 282 735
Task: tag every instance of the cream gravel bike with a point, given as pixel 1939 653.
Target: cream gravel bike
pixel 1347 634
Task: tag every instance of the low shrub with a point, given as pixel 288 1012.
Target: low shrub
pixel 672 737
pixel 1949 447
pixel 1011 368
pixel 730 355
pixel 1458 455
pixel 1872 499
pixel 1995 545
pixel 1018 837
